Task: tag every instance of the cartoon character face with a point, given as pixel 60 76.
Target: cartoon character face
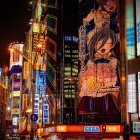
pixel 106 48
pixel 110 5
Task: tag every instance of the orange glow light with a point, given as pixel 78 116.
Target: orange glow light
pixel 113 128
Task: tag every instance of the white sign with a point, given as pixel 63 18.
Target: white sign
pixel 15 121
pixel 136 127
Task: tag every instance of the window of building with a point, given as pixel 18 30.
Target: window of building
pixel 132 106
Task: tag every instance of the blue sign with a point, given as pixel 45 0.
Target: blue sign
pixel 34 117
pixel 52 129
pixel 47 129
pixel 91 129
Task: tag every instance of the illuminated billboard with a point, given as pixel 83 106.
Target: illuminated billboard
pixel 15 57
pixel 130 34
pixel 81 129
pixel 40 83
pixel 138 26
pixel 99 53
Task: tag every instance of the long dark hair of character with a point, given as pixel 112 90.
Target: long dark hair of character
pixel 102 34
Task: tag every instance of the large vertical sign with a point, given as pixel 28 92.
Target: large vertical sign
pixel 130 34
pixel 99 79
pixel 138 26
pixel 40 83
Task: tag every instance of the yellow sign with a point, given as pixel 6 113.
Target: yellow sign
pixel 61 128
pixel 36 27
pixel 113 128
pixel 16 93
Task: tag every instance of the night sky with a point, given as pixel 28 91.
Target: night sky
pixel 14 23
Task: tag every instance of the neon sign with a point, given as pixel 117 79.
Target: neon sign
pixel 91 129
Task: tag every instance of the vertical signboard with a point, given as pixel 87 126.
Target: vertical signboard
pixel 138 26
pixel 40 83
pixel 45 111
pixel 99 46
pixel 36 104
pixel 130 35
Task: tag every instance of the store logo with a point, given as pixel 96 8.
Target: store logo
pixel 91 129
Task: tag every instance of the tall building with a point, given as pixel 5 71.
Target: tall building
pixel 69 61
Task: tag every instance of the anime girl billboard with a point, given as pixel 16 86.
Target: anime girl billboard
pixel 99 77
